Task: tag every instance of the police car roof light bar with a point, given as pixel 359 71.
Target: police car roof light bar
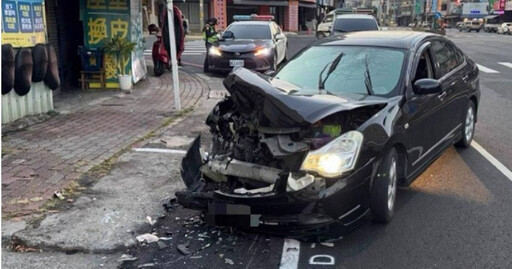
pixel 253 17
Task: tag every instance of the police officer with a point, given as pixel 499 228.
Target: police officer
pixel 209 36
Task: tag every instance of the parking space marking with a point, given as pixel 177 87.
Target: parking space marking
pixel 486 69
pixel 290 256
pixel 509 65
pixel 157 150
pixel 502 168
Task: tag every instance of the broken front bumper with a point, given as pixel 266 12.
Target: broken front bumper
pixel 287 206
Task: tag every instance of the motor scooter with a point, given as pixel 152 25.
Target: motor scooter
pixel 161 48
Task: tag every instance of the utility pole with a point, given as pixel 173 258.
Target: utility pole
pixel 174 61
pixel 201 14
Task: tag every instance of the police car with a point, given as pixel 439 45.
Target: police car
pixel 252 41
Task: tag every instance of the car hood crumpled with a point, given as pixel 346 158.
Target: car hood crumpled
pixel 253 92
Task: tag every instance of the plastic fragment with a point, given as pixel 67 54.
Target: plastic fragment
pixel 127 257
pixel 149 238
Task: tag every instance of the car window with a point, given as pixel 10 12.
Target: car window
pixel 328 18
pixel 446 57
pixel 384 65
pixel 249 31
pixel 354 24
pixel 424 68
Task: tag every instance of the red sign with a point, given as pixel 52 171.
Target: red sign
pixel 499 5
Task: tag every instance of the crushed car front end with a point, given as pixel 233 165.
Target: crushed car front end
pixel 298 166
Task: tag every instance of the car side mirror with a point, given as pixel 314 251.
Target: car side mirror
pixel 280 36
pixel 427 86
pixel 228 34
pixel 153 29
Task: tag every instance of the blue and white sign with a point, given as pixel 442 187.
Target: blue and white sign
pixel 10 17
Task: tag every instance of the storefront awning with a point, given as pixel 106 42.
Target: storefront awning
pixel 491 16
pixel 452 16
pixel 260 3
pixel 473 16
pixel 307 5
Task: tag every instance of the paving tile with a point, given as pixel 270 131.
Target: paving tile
pixel 52 154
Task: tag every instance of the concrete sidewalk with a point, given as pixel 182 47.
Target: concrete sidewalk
pixel 49 156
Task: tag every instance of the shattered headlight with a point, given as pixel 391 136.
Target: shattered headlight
pixel 335 158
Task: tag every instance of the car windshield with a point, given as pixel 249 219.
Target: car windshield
pixel 249 31
pixel 350 75
pixel 354 24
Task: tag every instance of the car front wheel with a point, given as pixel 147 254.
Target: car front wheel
pixel 384 188
pixel 468 127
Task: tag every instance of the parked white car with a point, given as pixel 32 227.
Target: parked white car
pixel 504 28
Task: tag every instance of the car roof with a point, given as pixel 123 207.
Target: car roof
pixel 252 22
pixel 394 39
pixel 355 16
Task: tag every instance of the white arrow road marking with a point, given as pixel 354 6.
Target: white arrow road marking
pixel 290 256
pixel 509 65
pixel 502 168
pixel 486 69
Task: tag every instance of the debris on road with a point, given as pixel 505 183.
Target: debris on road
pixel 327 244
pixel 169 206
pixel 229 261
pixel 184 249
pixel 150 220
pixel 161 245
pixel 126 257
pixel 146 265
pixel 149 238
pixel 59 195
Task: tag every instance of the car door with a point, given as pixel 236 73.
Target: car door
pixel 449 68
pixel 423 121
pixel 280 43
pixel 325 26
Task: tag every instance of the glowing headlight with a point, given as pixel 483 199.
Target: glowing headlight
pixel 214 51
pixel 335 158
pixel 262 52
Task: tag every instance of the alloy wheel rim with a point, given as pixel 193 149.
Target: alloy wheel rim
pixel 392 185
pixel 470 124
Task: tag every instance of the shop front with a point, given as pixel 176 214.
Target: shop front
pixel 106 19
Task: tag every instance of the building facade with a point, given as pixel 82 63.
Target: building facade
pixel 291 15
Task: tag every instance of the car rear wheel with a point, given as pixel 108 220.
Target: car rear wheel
pixel 468 127
pixel 384 187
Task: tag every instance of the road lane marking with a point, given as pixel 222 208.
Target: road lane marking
pixel 509 65
pixel 156 150
pixel 486 69
pixel 290 256
pixel 192 53
pixel 502 168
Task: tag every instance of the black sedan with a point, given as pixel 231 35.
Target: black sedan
pixel 327 140
pixel 255 45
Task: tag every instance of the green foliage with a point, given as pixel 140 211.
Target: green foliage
pixel 122 49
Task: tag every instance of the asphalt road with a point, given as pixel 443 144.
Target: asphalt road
pixel 457 214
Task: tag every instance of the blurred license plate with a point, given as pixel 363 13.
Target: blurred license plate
pixel 234 63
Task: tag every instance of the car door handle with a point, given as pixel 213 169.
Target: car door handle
pixel 465 78
pixel 442 95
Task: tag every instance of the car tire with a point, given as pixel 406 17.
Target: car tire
pixel 468 125
pixel 384 188
pixel 159 68
pixel 478 31
pixel 460 30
